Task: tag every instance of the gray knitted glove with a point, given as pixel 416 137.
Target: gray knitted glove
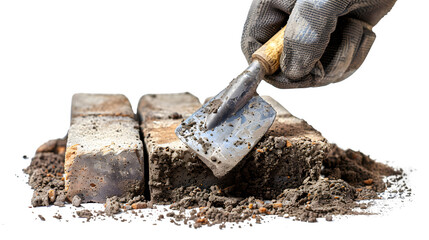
pixel 325 40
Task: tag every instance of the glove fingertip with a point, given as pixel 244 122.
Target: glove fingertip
pixel 293 66
pixel 365 45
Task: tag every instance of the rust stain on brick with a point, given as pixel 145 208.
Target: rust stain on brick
pixel 71 154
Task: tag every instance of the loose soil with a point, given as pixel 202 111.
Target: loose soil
pixel 46 174
pixel 348 176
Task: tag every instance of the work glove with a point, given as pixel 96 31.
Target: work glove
pixel 325 41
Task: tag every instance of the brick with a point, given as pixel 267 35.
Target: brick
pixel 104 155
pixel 290 152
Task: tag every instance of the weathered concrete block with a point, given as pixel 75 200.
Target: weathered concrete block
pixel 290 152
pixel 104 155
pixel 171 163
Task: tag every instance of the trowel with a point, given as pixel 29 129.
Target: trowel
pixel 224 130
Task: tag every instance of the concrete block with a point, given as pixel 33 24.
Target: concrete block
pixel 104 154
pixel 290 152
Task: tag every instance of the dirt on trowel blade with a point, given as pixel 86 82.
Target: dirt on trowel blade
pixel 224 147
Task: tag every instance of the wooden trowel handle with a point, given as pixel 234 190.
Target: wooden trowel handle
pixel 269 54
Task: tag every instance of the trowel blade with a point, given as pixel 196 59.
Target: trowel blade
pixel 224 146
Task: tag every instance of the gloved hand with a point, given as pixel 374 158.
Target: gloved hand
pixel 325 40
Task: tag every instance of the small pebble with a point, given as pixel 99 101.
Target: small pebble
pixel 76 201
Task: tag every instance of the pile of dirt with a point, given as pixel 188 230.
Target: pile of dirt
pixel 46 174
pixel 348 176
pixel 356 168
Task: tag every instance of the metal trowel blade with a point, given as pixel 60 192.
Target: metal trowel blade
pixel 224 146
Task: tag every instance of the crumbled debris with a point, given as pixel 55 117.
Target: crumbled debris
pixel 112 206
pixel 139 205
pixel 41 217
pixel 84 214
pixel 348 176
pixel 60 200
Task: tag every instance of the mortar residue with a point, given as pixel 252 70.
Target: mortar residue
pixel 347 177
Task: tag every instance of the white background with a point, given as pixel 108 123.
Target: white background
pixel 50 50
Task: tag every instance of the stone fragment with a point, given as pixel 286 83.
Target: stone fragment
pixel 112 206
pixel 290 152
pixel 104 155
pixel 84 214
pixel 56 146
pixel 51 195
pixel 60 200
pixel 139 205
pixel 40 198
pixel 76 201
